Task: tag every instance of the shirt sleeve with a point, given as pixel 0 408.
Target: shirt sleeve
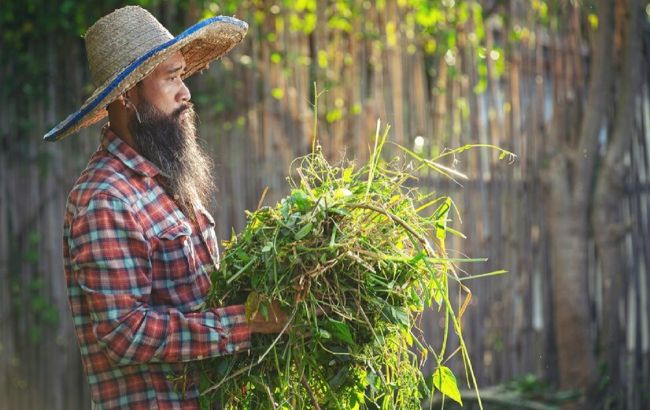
pixel 110 257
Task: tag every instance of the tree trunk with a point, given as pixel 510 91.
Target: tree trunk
pixel 610 227
pixel 572 171
pixel 568 224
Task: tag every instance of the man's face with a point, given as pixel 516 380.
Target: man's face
pixel 164 88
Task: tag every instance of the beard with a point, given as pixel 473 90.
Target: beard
pixel 170 142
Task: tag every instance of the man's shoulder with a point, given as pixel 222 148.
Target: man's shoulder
pixel 105 175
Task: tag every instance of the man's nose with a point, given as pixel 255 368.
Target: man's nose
pixel 184 95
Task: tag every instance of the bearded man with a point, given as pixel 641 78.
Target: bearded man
pixel 138 242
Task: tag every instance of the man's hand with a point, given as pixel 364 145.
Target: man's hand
pixel 276 321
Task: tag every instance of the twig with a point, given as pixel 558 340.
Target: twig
pixel 232 376
pixel 401 222
pixel 275 341
pixel 311 393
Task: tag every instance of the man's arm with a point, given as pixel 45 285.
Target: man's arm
pixel 110 258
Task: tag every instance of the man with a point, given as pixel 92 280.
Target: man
pixel 138 243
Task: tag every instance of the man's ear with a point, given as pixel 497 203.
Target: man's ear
pixel 120 103
pixel 126 97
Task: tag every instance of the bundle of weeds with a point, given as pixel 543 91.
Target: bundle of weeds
pixel 353 255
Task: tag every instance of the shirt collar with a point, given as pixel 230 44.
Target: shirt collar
pixel 125 153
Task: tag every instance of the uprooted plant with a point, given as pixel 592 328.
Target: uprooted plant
pixel 353 255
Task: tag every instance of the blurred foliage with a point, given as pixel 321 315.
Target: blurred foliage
pixel 34 34
pixel 27 26
pixel 530 387
pixel 428 26
pixel 30 298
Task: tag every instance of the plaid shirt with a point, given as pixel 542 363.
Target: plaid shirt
pixel 137 273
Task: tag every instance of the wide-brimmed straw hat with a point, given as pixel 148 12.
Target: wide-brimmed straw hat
pixel 126 45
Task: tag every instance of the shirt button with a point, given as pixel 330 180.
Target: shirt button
pixel 199 357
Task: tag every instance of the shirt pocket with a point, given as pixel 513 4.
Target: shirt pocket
pixel 174 258
pixel 178 279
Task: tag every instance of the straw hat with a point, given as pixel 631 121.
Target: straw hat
pixel 126 45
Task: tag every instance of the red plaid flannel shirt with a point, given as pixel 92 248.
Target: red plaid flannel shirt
pixel 137 273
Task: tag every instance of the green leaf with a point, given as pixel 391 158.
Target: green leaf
pixel 445 381
pixel 242 255
pixel 416 299
pixel 340 331
pixel 339 211
pixel 342 193
pixel 304 231
pixel 442 215
pixel 372 380
pixel 251 305
pixel 418 257
pixel 324 334
pixel 440 289
pixel 347 174
pixel 300 199
pixel 332 238
pixel 397 315
pixel 264 310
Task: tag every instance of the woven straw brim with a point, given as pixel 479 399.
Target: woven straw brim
pixel 200 44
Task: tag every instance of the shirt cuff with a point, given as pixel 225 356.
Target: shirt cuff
pixel 237 332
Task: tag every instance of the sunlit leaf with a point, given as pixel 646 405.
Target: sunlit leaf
pixel 445 381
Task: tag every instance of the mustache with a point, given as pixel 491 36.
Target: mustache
pixel 180 110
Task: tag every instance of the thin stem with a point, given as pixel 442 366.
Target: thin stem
pixel 311 393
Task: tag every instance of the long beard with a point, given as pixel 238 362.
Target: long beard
pixel 171 144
